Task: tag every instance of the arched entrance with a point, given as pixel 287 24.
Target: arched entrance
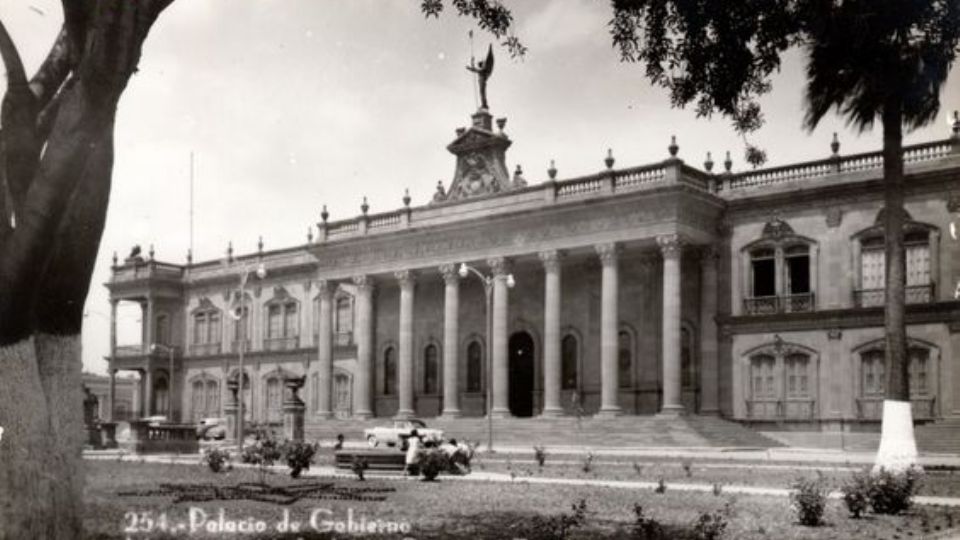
pixel 521 374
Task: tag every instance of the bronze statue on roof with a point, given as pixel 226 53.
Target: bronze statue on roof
pixel 483 70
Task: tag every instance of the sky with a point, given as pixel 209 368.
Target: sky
pixel 288 105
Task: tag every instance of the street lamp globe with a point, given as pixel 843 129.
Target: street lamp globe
pixel 510 281
pixel 261 271
pixel 463 270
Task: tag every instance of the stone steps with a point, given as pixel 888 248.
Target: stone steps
pixel 624 431
pixel 941 437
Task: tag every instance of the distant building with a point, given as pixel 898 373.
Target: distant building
pixel 126 388
pixel 661 288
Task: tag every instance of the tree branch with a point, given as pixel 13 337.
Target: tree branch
pixel 76 15
pixel 54 70
pixel 19 147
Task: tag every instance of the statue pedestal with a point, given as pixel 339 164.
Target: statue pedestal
pixel 108 434
pixel 230 411
pixel 293 409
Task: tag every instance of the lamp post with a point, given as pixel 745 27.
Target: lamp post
pixel 160 347
pixel 238 314
pixel 487 281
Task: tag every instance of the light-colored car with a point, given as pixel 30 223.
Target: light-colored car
pixel 155 420
pixel 395 434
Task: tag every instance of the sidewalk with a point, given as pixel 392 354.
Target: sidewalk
pixel 484 476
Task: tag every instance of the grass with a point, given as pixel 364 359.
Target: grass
pixel 451 508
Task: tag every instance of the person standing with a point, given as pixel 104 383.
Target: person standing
pixel 412 461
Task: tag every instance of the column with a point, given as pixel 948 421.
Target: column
pixel 112 410
pixel 709 370
pixel 325 349
pixel 499 345
pixel 363 404
pixel 609 320
pixel 551 333
pixel 671 247
pixel 405 373
pixel 112 396
pixel 451 333
pixel 147 381
pixel 148 327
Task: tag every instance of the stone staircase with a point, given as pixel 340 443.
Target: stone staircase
pixel 623 431
pixel 941 437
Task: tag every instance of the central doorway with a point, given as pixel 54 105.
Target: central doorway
pixel 521 374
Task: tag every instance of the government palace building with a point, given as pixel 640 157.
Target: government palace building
pixel 661 288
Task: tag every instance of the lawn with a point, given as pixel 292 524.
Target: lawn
pixel 124 494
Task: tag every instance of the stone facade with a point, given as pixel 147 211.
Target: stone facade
pixel 659 289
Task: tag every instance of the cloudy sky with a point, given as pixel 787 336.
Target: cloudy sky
pixel 292 104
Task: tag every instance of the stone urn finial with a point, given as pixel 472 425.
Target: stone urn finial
pixel 609 161
pixel 114 258
pixel 230 251
pixel 324 215
pixel 728 163
pixel 956 124
pixel 708 164
pixel 260 245
pixel 364 207
pixel 552 171
pixel 189 256
pixel 501 123
pixel 673 148
pixel 406 197
pixel 835 145
pixel 309 235
pixel 151 252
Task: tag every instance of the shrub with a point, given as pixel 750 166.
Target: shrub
pixel 646 528
pixel 298 455
pixel 432 463
pixel 809 500
pixel 661 486
pixel 687 467
pixel 358 465
pixel 856 494
pixel 215 459
pixel 711 525
pixel 558 527
pixel 587 464
pixel 263 453
pixel 892 492
pixel 540 454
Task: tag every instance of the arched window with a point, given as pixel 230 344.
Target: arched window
pixel 431 370
pixel 389 371
pixel 474 366
pixel 568 362
pixel 273 400
pixel 161 396
pixel 625 359
pixel 919 366
pixel 779 271
pixel 213 398
pixel 206 329
pixel 917 239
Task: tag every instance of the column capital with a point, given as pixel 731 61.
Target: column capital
pixel 500 266
pixel 406 278
pixel 608 252
pixel 551 259
pixel 671 245
pixel 364 283
pixel 449 273
pixel 325 287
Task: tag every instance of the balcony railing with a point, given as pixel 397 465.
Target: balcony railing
pixel 915 294
pixel 235 346
pixel 129 350
pixel 343 339
pixel 205 349
pixel 781 409
pixel 769 305
pixel 281 343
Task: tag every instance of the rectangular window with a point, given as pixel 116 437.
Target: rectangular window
pixel 798 274
pixel 918 371
pixel 290 320
pixel 200 328
pixel 763 377
pixel 213 327
pixel 872 269
pixel 918 264
pixel 798 377
pixel 874 374
pixel 273 322
pixel 764 274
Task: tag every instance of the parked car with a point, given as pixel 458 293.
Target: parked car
pixel 212 428
pixel 400 430
pixel 155 420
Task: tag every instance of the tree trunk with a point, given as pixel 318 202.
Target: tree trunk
pixel 898 448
